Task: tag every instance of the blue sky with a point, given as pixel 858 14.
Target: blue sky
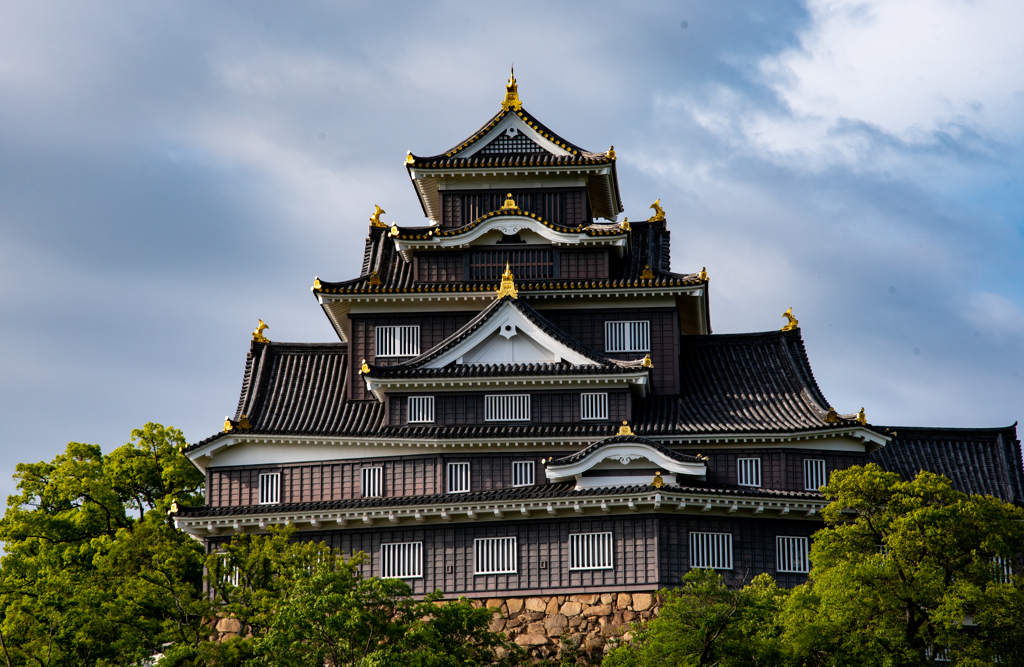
pixel 170 172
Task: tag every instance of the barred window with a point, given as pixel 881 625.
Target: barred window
pixel 522 473
pixel 227 573
pixel 748 472
pixel 458 477
pixel 791 554
pixel 495 555
pixel 421 409
pixel 814 474
pixel 403 560
pixel 373 482
pixel 594 406
pixel 711 550
pixel 507 408
pixel 627 336
pixel 1004 569
pixel 398 341
pixel 590 551
pixel 270 488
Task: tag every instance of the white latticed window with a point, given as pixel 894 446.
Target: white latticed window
pixel 507 408
pixel 228 574
pixel 421 409
pixel 594 406
pixel 748 472
pixel 398 341
pixel 791 554
pixel 270 488
pixel 1004 569
pixel 590 551
pixel 814 474
pixel 373 482
pixel 458 477
pixel 403 560
pixel 522 473
pixel 711 551
pixel 495 555
pixel 628 336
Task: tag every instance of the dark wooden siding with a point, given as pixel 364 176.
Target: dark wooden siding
pixel 587 326
pixel 584 264
pixel 564 207
pixel 780 468
pixel 439 267
pixel 546 407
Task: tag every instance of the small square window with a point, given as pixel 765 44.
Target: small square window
pixel 522 473
pixel 270 488
pixel 458 477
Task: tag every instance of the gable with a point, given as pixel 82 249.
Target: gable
pixel 512 132
pixel 511 142
pixel 509 347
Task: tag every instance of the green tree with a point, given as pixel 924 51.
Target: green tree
pixel 704 623
pixel 905 571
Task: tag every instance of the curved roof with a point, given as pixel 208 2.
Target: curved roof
pixel 621 439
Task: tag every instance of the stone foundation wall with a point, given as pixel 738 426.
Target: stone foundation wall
pixel 545 626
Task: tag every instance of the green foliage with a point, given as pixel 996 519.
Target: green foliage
pixel 704 623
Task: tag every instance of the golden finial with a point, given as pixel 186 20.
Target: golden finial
pixel 174 507
pixel 507 287
pixel 512 94
pixel 657 482
pixel 703 274
pixel 832 417
pixel 258 334
pixel 624 224
pixel 510 204
pixel 409 159
pixel 316 284
pixel 647 274
pixel 659 213
pixel 375 218
pixel 374 279
pixel 861 417
pixel 244 422
pixel 611 153
pixel 793 322
pixel 364 369
pixel 625 429
pixel 227 424
pixel 647 362
pixel 394 230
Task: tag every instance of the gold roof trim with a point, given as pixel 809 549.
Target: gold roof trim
pixel 625 429
pixel 659 212
pixel 508 286
pixel 511 100
pixel 258 334
pixel 793 323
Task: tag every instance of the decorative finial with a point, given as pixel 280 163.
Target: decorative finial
pixel 244 422
pixel 374 279
pixel 409 159
pixel 507 287
pixel 316 284
pixel 512 94
pixel 657 482
pixel 647 362
pixel 227 424
pixel 510 204
pixel 703 274
pixel 647 273
pixel 394 230
pixel 258 334
pixel 832 417
pixel 611 153
pixel 793 322
pixel 624 224
pixel 364 369
pixel 375 218
pixel 174 507
pixel 861 417
pixel 625 429
pixel 659 212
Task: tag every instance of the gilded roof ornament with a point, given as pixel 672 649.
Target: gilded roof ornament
pixel 316 284
pixel 227 424
pixel 611 153
pixel 244 422
pixel 510 203
pixel 657 482
pixel 374 279
pixel 647 274
pixel 625 429
pixel 508 287
pixel 703 273
pixel 364 369
pixel 512 94
pixel 659 212
pixel 832 417
pixel 409 159
pixel 394 230
pixel 861 417
pixel 793 322
pixel 647 362
pixel 258 334
pixel 375 218
pixel 624 224
pixel 174 507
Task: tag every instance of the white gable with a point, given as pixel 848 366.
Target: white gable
pixel 509 337
pixel 512 126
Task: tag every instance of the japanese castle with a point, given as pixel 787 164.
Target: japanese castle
pixel 525 399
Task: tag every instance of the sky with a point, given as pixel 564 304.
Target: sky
pixel 172 171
